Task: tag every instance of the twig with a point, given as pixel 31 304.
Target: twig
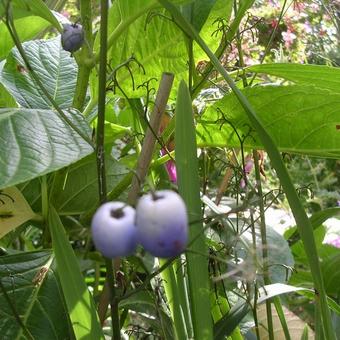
pixel 145 157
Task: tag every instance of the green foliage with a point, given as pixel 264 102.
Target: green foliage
pixel 314 131
pixel 32 286
pixel 47 152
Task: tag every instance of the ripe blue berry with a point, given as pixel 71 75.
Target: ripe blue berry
pixel 114 230
pixel 162 223
pixel 72 37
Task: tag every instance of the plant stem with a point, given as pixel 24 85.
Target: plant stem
pixel 85 54
pixel 100 153
pixel 145 157
pixel 263 232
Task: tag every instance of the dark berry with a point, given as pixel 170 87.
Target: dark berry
pixel 72 37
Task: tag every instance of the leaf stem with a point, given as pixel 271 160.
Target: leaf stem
pixel 85 54
pixel 100 155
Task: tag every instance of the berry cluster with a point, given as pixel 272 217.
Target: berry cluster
pixel 159 224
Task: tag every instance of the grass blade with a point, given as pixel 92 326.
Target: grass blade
pixel 79 302
pixel 189 188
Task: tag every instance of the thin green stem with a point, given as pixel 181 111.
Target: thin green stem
pixel 100 154
pixel 85 54
pixel 264 242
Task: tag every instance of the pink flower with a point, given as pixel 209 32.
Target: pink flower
pixel 335 242
pixel 288 38
pixel 170 168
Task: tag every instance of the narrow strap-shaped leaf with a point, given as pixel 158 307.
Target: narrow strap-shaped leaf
pixel 79 302
pixel 189 188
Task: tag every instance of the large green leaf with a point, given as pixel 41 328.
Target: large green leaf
pixel 78 299
pixel 300 119
pixel 55 67
pixel 36 142
pixel 24 8
pixel 152 39
pixel 156 45
pixel 27 28
pixel 318 75
pixel 209 14
pixel 76 189
pixel 35 293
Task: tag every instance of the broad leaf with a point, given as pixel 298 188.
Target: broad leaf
pixel 331 273
pixel 321 76
pixel 78 299
pixel 24 8
pixel 76 187
pixel 56 69
pixel 289 114
pixel 27 28
pixel 36 142
pixel 35 293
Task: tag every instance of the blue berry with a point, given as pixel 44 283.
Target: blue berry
pixel 72 37
pixel 113 229
pixel 162 223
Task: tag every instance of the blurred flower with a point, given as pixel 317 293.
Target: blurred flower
pixel 335 242
pixel 288 38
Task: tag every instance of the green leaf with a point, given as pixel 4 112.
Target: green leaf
pixel 55 68
pixel 75 190
pixel 289 114
pixel 34 291
pixel 209 13
pixel 280 257
pixel 6 100
pixel 27 28
pixel 321 76
pixel 199 11
pixel 317 219
pixel 189 188
pixel 24 8
pixel 81 308
pixel 36 142
pixel 331 271
pixel 225 326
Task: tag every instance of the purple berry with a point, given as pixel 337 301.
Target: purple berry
pixel 114 230
pixel 72 37
pixel 162 223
